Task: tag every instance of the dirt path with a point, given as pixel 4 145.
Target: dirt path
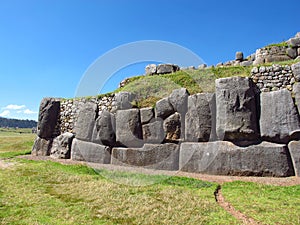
pixel 230 209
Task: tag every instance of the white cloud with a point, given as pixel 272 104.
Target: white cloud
pixel 28 111
pixel 15 107
pixel 5 113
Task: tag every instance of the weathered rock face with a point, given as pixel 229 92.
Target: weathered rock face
pixel 172 127
pixel 200 118
pixel 296 91
pixel 129 128
pixel 294 147
pixel 166 68
pixel 296 71
pixel 86 121
pixel 279 117
pixel 153 132
pixel 225 158
pixel 90 152
pixel 104 129
pixel 48 118
pixel 163 157
pixel 179 100
pixel 124 100
pixel 41 147
pixel 239 56
pixel 61 146
pixel 147 114
pixel 294 42
pixel 163 108
pixel 150 69
pixel 236 109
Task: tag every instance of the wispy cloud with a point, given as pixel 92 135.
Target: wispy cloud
pixel 28 111
pixel 5 113
pixel 15 107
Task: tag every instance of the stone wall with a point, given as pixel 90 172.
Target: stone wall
pixel 237 130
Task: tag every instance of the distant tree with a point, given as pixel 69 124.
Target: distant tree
pixel 4 122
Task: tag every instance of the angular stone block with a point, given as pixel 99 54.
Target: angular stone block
pixel 104 129
pixel 147 114
pixel 129 128
pixel 179 100
pixel 172 127
pixel 61 146
pixel 279 117
pixel 154 132
pixel 90 152
pixel 163 108
pixel 151 156
pixel 296 71
pixel 86 121
pixel 200 118
pixel 294 147
pixel 48 118
pixel 236 109
pixel 225 158
pixel 41 147
pixel 124 100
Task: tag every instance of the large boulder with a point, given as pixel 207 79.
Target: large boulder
pixel 129 128
pixel 104 129
pixel 61 146
pixel 125 100
pixel 179 100
pixel 163 108
pixel 236 109
pixel 150 69
pixel 200 118
pixel 294 147
pixel 41 147
pixel 86 121
pixel 90 152
pixel 172 127
pixel 294 42
pixel 296 91
pixel 153 132
pixel 225 158
pixel 48 118
pixel 296 71
pixel 151 156
pixel 166 68
pixel 239 56
pixel 147 114
pixel 279 117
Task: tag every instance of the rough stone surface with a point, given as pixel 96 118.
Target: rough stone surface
pixel 163 108
pixel 179 99
pixel 236 109
pixel 166 68
pixel 296 71
pixel 200 118
pixel 124 100
pixel 147 114
pixel 104 129
pixel 225 158
pixel 153 132
pixel 48 118
pixel 41 147
pixel 294 147
pixel 296 91
pixel 129 128
pixel 294 42
pixel 278 117
pixel 90 152
pixel 291 52
pixel 86 121
pixel 239 56
pixel 154 156
pixel 150 69
pixel 61 146
pixel 172 127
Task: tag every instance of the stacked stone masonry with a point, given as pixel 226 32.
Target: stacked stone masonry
pixel 238 130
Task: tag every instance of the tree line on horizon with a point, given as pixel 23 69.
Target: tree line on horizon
pixel 5 122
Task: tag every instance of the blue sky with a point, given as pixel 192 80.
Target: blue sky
pixel 46 46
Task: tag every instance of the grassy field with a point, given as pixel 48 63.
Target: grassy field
pixel 44 192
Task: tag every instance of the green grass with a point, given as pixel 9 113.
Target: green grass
pixel 15 142
pixel 45 192
pixel 281 44
pixel 265 203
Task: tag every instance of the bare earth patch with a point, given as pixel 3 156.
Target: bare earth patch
pixel 5 164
